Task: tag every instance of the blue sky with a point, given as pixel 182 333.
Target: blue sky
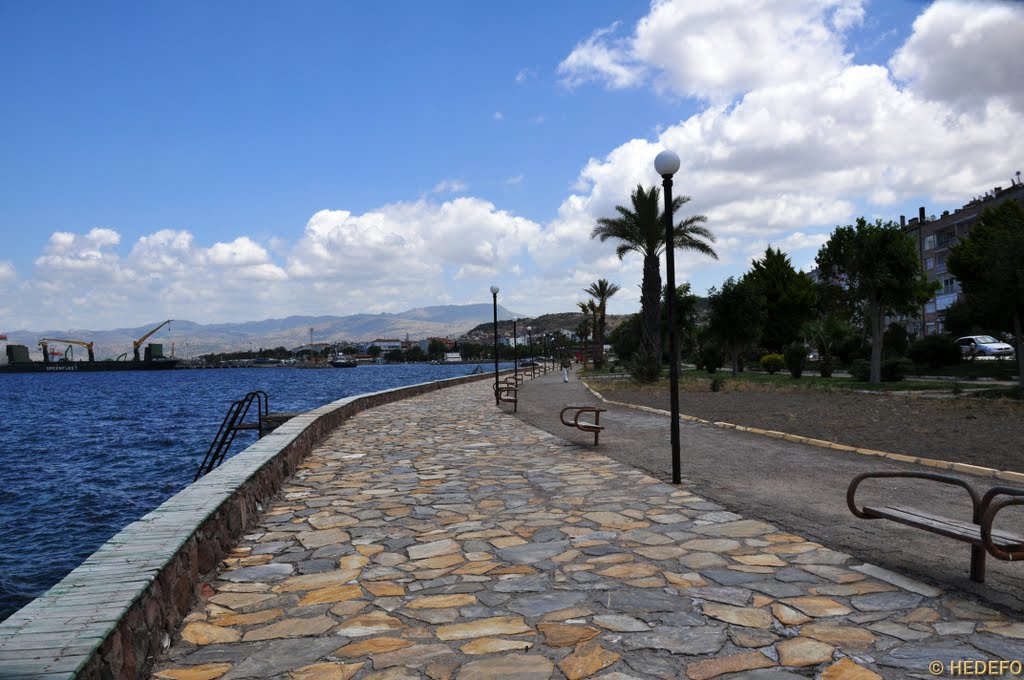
pixel 244 160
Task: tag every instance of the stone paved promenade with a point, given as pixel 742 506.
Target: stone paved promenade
pixel 439 537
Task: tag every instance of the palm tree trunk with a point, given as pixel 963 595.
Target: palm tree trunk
pixel 650 305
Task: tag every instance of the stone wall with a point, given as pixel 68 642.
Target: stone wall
pixel 114 614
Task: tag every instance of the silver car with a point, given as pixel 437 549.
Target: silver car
pixel 983 346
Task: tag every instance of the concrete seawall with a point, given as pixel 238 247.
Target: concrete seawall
pixel 114 614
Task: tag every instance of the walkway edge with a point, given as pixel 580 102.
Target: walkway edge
pixel 962 468
pixel 115 613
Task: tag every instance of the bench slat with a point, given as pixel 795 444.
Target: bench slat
pixel 967 532
pixel 1000 538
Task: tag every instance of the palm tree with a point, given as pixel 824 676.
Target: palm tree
pixel 592 310
pixel 600 290
pixel 583 332
pixel 642 230
pixel 588 324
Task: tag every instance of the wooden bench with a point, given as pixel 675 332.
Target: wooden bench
pixel 594 427
pixel 978 531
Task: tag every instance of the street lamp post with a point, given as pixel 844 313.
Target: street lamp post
pixel 515 352
pixel 667 164
pixel 494 294
pixel 533 361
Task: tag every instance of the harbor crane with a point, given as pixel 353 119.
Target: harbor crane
pixel 81 343
pixel 138 343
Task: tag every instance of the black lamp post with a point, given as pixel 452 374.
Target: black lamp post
pixel 494 294
pixel 667 164
pixel 515 352
pixel 533 361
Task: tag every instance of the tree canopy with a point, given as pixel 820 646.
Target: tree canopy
pixel 789 297
pixel 877 265
pixel 736 316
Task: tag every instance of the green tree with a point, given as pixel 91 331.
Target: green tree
pixel 374 351
pixel 990 266
pixel 394 356
pixel 583 330
pixel 626 338
pixel 415 353
pixel 686 319
pixel 736 315
pixel 960 318
pixel 471 351
pixel 589 310
pixel 878 265
pixel 641 229
pixel 436 348
pixel 790 298
pixel 601 290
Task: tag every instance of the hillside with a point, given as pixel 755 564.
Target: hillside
pixel 191 339
pixel 546 323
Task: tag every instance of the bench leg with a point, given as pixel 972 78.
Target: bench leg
pixel 597 421
pixel 977 564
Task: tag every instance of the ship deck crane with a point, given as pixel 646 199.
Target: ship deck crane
pixel 138 343
pixel 81 343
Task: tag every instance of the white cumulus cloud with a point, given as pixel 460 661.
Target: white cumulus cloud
pixel 717 50
pixel 8 274
pixel 965 53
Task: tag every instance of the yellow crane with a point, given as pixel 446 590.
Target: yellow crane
pixel 81 343
pixel 138 343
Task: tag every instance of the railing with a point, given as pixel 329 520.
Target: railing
pixel 229 427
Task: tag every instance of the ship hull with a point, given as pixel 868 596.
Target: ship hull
pixel 88 366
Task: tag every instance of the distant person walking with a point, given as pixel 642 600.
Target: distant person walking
pixel 566 365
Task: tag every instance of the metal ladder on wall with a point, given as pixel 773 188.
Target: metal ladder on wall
pixel 229 427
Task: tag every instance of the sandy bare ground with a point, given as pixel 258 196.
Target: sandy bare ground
pixel 986 432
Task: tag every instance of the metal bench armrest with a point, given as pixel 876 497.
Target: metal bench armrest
pixel 580 410
pixel 990 508
pixel 851 492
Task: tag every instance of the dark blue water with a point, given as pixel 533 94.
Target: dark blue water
pixel 84 454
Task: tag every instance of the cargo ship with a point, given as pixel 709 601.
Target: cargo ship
pixel 151 359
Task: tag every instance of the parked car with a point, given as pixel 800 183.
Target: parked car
pixel 984 346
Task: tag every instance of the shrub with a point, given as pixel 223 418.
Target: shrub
pixel 860 369
pixel 711 357
pixel 795 357
pixel 935 351
pixel 644 368
pixel 772 363
pixel 717 383
pixel 895 341
pixel 895 369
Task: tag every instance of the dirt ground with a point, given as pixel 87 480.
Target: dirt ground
pixel 964 429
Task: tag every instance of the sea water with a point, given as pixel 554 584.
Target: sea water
pixel 84 454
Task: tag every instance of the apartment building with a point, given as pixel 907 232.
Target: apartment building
pixel 935 236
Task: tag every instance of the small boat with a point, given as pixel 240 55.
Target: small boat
pixel 342 361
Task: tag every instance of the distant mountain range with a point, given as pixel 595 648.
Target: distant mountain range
pixel 192 339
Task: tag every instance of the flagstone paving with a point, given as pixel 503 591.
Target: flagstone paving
pixel 438 537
